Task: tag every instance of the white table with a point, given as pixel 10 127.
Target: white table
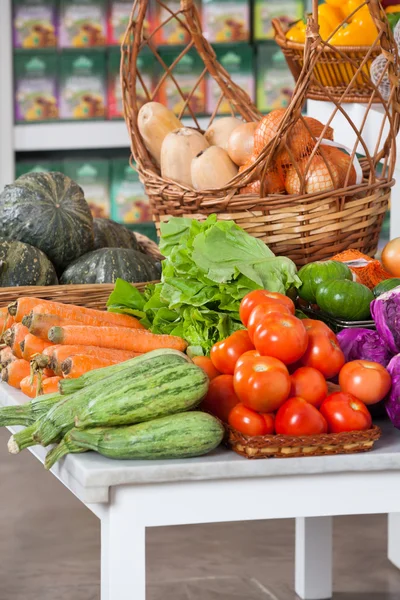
pixel 130 496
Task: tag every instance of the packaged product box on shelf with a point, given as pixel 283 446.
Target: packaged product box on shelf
pixel 238 61
pixel 34 24
pixel 93 177
pixel 118 20
pixel 82 23
pixel 35 82
pixel 145 65
pixel 129 203
pixel 172 33
pixel 83 84
pixel 275 83
pixel 287 11
pixel 226 20
pixel 44 166
pixel 187 73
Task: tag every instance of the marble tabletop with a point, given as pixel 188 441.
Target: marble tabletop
pixel 90 475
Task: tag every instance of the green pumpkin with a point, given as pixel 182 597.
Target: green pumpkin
pixel 313 274
pixel 345 300
pixel 106 265
pixel 48 211
pixel 386 286
pixel 109 234
pixel 22 264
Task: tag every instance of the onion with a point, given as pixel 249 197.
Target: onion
pixel 391 257
pixel 241 143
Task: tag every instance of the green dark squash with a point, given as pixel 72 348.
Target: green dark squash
pixel 48 211
pixel 313 274
pixel 345 300
pixel 109 234
pixel 22 264
pixel 107 264
pixel 385 286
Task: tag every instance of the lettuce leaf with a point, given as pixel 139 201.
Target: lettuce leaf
pixel 209 267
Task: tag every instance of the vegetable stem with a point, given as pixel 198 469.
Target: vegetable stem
pixel 21 440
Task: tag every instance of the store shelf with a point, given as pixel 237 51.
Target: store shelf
pixel 76 135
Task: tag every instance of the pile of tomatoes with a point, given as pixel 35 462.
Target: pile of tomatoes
pixel 272 377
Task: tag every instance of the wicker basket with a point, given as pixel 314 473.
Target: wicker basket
pixel 334 70
pixel 284 446
pixel 303 226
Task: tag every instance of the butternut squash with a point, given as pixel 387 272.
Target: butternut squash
pixel 212 169
pixel 220 130
pixel 155 121
pixel 177 152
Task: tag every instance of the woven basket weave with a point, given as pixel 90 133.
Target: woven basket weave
pixel 303 226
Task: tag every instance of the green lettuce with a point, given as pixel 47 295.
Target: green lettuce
pixel 209 267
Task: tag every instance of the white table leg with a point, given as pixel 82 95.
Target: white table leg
pixel 313 579
pixel 123 552
pixel 394 539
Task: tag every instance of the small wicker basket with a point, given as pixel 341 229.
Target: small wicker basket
pixel 284 446
pixel 335 70
pixel 302 226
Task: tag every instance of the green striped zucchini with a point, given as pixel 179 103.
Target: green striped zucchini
pixel 26 414
pixel 176 436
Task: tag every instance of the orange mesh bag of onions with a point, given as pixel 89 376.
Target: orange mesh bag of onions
pixel 367 270
pixel 283 177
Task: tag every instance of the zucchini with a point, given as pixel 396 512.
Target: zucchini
pixel 385 286
pixel 344 299
pixel 126 399
pixel 178 436
pixel 68 386
pixel 26 414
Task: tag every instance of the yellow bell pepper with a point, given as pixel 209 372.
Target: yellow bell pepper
pixel 297 33
pixel 337 3
pixel 360 29
pixel 329 18
pixel 392 9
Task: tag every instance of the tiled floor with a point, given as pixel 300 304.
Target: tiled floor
pixel 49 550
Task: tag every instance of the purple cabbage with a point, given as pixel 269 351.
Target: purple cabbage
pixel 364 344
pixel 385 311
pixel 392 403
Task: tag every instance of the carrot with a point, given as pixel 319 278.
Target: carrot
pixel 137 340
pixel 6 320
pixel 48 385
pixel 32 345
pixel 15 372
pixel 89 316
pixel 6 356
pixel 61 353
pixel 39 323
pixel 14 336
pixel 77 365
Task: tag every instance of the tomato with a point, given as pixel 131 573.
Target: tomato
pixel 281 336
pixel 253 299
pixel 261 383
pixel 298 417
pixel 391 257
pixel 310 384
pixel 259 313
pixel 324 354
pixel 269 419
pixel 344 412
pixel 247 421
pixel 253 353
pixel 206 364
pixel 315 325
pixel 366 380
pixel 221 397
pixel 225 354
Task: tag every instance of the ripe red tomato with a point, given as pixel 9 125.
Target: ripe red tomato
pixel 366 380
pixel 261 383
pixel 298 417
pixel 281 336
pixel 253 299
pixel 247 421
pixel 310 384
pixel 221 397
pixel 344 412
pixel 269 419
pixel 323 353
pixel 259 313
pixel 314 325
pixel 206 364
pixel 252 353
pixel 225 354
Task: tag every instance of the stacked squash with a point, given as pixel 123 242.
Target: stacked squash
pixel 230 146
pixel 48 232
